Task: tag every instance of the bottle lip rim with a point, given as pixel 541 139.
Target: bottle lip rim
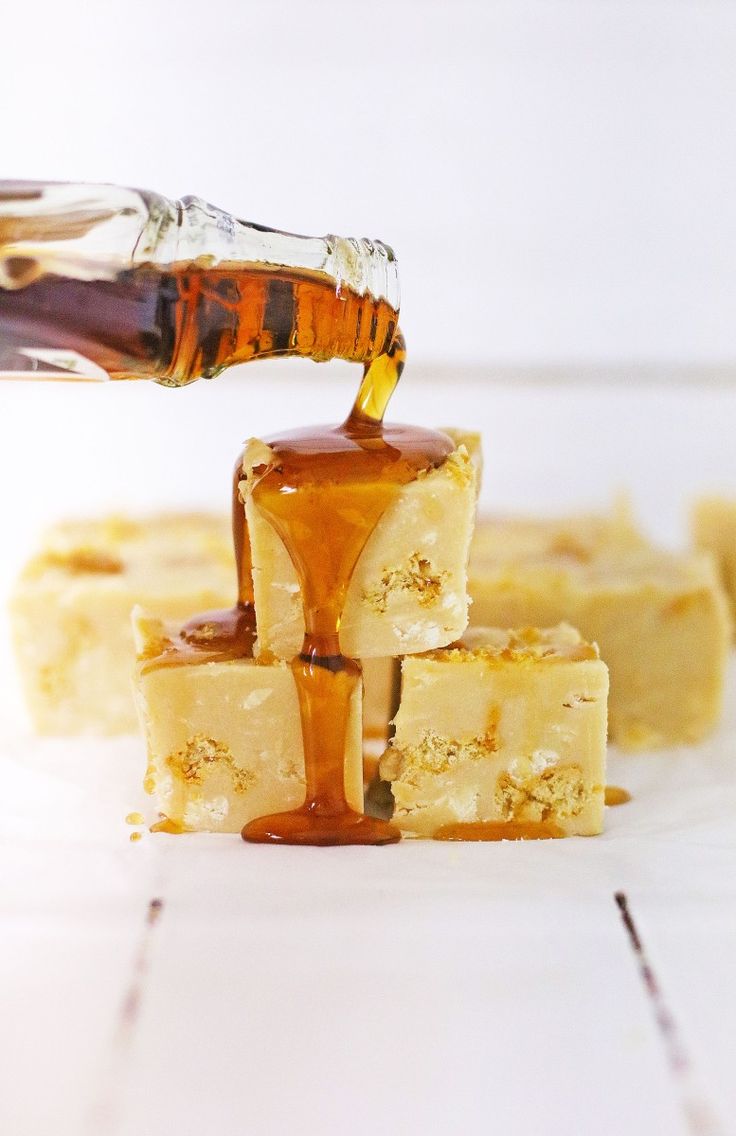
pixel 93 231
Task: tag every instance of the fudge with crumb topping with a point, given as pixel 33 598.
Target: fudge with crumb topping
pixel 409 588
pixel 503 726
pixel 224 739
pixel 660 619
pixel 70 609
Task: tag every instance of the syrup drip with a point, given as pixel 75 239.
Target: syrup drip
pixel 172 827
pixel 500 830
pixel 219 636
pixel 324 493
pixel 616 796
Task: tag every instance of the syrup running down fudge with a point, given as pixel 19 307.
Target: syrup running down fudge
pixel 503 726
pixel 409 588
pixel 713 526
pixel 71 609
pixel 224 738
pixel 660 620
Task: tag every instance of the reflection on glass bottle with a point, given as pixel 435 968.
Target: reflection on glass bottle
pixel 100 281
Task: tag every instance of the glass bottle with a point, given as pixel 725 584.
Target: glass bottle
pixel 98 281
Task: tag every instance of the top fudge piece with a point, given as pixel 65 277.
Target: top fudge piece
pixel 71 608
pixel 409 589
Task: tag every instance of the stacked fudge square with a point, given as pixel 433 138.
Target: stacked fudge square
pixel 224 738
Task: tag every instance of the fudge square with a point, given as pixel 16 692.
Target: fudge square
pixel 70 610
pixel 502 726
pixel 224 739
pixel 661 622
pixel 713 527
pixel 409 588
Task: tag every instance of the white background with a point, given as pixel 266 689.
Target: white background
pixel 557 178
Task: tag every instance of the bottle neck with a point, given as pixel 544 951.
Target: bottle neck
pixel 203 232
pixel 261 293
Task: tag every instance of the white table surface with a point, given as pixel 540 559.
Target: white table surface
pixel 418 988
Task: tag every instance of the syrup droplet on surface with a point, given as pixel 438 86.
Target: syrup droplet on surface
pixel 500 830
pixel 616 796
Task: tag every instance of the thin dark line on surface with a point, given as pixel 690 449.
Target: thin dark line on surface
pixel 104 1114
pixel 133 997
pixel 699 1116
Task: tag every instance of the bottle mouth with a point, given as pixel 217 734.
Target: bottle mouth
pixel 365 266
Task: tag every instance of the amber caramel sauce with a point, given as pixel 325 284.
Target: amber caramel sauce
pixel 500 830
pixel 218 636
pixel 614 795
pixel 179 322
pixel 172 827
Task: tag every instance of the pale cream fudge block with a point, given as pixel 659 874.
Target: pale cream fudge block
pixel 71 609
pixel 661 622
pixel 713 526
pixel 504 726
pixel 409 588
pixel 224 739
